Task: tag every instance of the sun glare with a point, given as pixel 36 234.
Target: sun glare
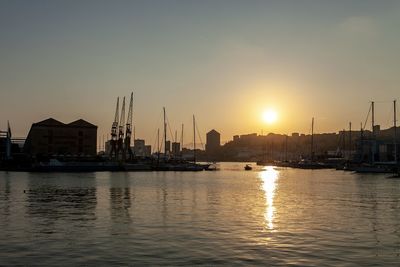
pixel 269 116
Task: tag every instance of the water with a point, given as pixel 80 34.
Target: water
pixel 268 216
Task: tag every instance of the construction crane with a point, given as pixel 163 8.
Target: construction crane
pixel 128 131
pixel 121 134
pixel 114 134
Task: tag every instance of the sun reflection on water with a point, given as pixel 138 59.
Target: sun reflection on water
pixel 269 176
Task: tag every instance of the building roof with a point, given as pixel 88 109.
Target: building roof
pixel 49 122
pixel 213 132
pixel 55 123
pixel 81 123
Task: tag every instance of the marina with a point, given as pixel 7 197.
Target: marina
pixel 372 154
pixel 199 133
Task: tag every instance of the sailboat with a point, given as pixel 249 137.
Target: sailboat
pixel 173 164
pixel 194 166
pixel 311 163
pixel 379 167
pixel 198 166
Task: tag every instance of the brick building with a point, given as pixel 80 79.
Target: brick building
pixel 52 137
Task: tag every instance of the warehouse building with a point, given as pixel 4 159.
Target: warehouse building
pixel 54 138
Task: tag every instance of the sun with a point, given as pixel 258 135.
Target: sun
pixel 269 116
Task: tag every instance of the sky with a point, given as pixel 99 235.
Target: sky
pixel 224 61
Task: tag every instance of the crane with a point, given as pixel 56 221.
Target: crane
pixel 120 145
pixel 128 130
pixel 114 135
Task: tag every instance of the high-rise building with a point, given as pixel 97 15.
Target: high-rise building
pixel 176 149
pixel 139 148
pixel 147 150
pixel 213 141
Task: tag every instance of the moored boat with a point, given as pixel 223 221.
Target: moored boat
pixel 247 167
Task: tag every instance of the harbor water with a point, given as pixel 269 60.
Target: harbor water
pixel 266 216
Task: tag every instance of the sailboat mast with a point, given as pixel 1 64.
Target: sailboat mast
pixel 395 131
pixel 373 145
pixel 350 149
pixel 194 139
pixel 286 143
pixel 182 136
pixel 165 136
pixel 158 140
pixel 158 145
pixel 312 139
pixel 373 118
pixel 361 132
pixel 344 142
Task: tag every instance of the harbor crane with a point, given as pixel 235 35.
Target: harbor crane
pixel 114 134
pixel 128 131
pixel 121 133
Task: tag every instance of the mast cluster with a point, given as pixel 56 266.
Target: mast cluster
pixel 177 147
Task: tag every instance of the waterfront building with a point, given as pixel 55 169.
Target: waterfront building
pixel 176 149
pixel 52 137
pixel 213 141
pixel 147 150
pixel 140 149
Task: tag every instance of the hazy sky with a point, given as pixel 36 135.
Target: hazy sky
pixel 224 61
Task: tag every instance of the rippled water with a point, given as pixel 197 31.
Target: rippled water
pixel 267 216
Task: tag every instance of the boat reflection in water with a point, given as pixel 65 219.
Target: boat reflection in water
pixel 269 176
